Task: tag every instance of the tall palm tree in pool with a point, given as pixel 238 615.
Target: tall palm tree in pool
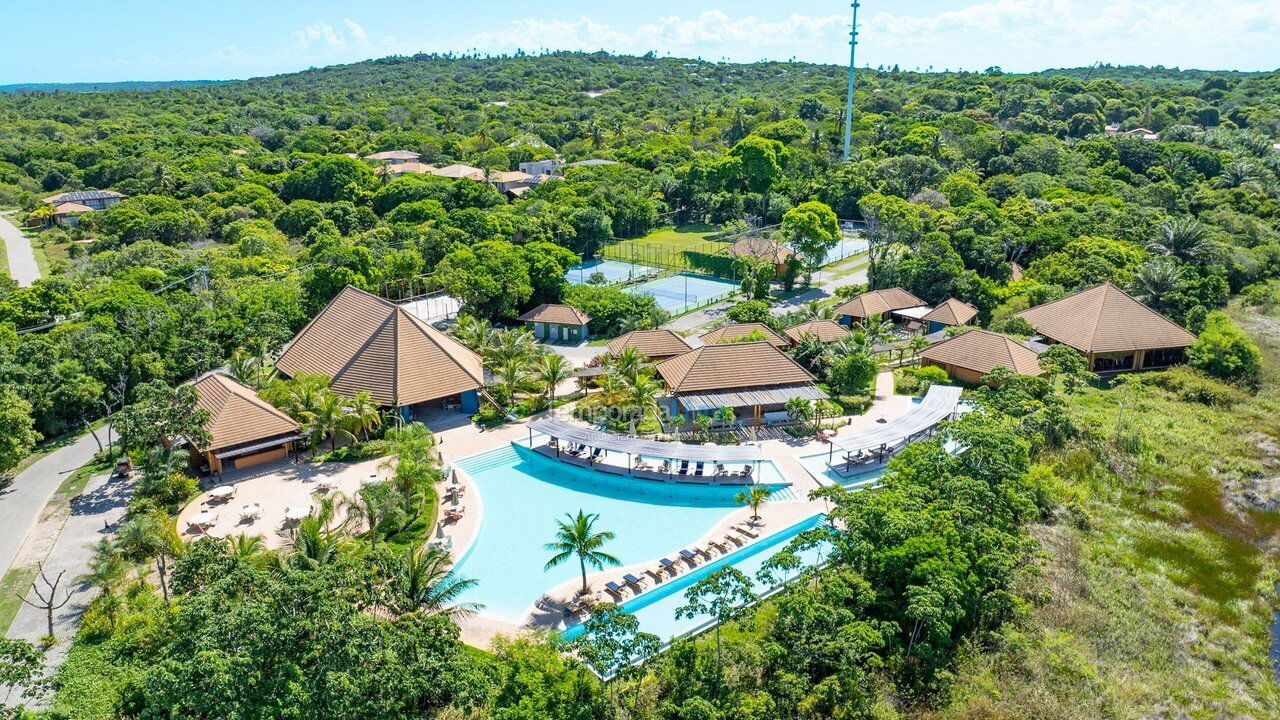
pixel 754 498
pixel 576 536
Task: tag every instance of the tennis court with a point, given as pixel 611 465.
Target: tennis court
pixel 614 271
pixel 853 241
pixel 678 294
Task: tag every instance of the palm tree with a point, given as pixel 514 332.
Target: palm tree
pixel 1183 238
pixel 1237 174
pixel 313 544
pixel 424 583
pixel 105 572
pixel 815 310
pixel 643 395
pixel 147 538
pixel 725 416
pixel 576 536
pixel 799 410
pixel 676 422
pixel 329 419
pixel 246 548
pixel 703 422
pixel 1155 280
pixel 554 370
pixel 364 415
pixel 754 497
pixel 475 333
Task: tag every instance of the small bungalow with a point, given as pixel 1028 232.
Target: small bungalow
pixel 394 157
pixel 656 345
pixel 825 330
pixel 1113 330
pixel 755 379
pixel 458 171
pixel 68 214
pixel 879 303
pixel 951 313
pixel 405 168
pixel 969 356
pixel 765 249
pixel 540 167
pixel 244 430
pixel 738 332
pixel 364 343
pixel 557 323
pixel 509 180
pixel 92 199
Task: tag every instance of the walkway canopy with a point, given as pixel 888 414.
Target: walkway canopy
pixel 566 432
pixel 939 404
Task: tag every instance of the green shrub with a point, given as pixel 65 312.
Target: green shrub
pixel 1225 352
pixel 750 311
pixel 490 416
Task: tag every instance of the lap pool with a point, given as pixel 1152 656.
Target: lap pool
pixel 523 494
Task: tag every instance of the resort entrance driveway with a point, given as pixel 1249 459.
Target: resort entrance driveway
pixel 22 259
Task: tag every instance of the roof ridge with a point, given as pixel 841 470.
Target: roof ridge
pixel 422 328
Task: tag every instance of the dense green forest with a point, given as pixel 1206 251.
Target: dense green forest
pixel 1065 566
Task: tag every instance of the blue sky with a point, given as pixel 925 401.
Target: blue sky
pixel 180 39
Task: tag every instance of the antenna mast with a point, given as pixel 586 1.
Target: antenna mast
pixel 848 105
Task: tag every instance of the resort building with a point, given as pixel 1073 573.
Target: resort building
pixel 557 323
pixel 68 214
pixel 739 332
pixel 394 157
pixel 969 356
pixel 509 180
pixel 404 168
pixel 1114 331
pixel 656 345
pixel 763 249
pixel 458 171
pixel 879 303
pixel 92 199
pixel 952 313
pixel 244 430
pixel 540 167
pixel 755 379
pixel 825 330
pixel 364 343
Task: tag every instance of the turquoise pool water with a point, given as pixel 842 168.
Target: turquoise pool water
pixel 523 494
pixel 656 609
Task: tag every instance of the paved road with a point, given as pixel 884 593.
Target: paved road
pixel 94 516
pixel 22 502
pixel 22 259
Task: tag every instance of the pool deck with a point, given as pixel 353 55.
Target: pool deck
pixel 461 440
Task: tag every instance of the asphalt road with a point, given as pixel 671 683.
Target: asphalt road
pixel 22 502
pixel 22 259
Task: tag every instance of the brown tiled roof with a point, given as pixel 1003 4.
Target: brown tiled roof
pixel 559 314
pixel 824 330
pixel 393 155
pixel 952 312
pixel 404 168
pixel 1105 319
pixel 236 414
pixel 878 302
pixel 507 176
pixel 725 367
pixel 70 208
pixel 459 171
pixel 654 344
pixel 762 248
pixel 983 351
pixel 733 331
pixel 363 342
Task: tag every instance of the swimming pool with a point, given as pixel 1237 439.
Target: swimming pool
pixel 614 272
pixel 686 291
pixel 656 609
pixel 523 494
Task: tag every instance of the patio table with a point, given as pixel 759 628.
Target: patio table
pixel 295 514
pixel 204 519
pixel 222 492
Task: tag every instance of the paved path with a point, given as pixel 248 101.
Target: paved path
pixel 22 259
pixel 22 502
pixel 94 515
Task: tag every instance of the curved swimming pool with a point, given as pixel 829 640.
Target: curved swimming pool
pixel 523 494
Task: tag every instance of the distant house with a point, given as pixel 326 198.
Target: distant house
pixel 364 343
pixel 765 249
pixel 540 167
pixel 824 330
pixel 1143 133
pixel 244 430
pixel 950 313
pixel 509 180
pixel 973 354
pixel 656 345
pixel 459 171
pixel 1113 330
pixel 92 199
pixel 405 168
pixel 393 157
pixel 735 332
pixel 557 323
pixel 68 214
pixel 755 379
pixel 879 303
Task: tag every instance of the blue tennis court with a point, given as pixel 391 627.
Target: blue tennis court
pixel 681 293
pixel 614 271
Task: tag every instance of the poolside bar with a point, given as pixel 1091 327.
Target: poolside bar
pixel 569 443
pixel 872 448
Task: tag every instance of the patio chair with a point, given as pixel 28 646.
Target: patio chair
pixel 452 515
pixel 634 582
pixel 613 589
pixel 749 533
pixel 746 471
pixel 697 470
pixel 735 540
pixel 720 469
pixel 689 557
pixel 666 467
pixel 669 566
pixel 718 546
pixel 684 468
pixel 656 574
